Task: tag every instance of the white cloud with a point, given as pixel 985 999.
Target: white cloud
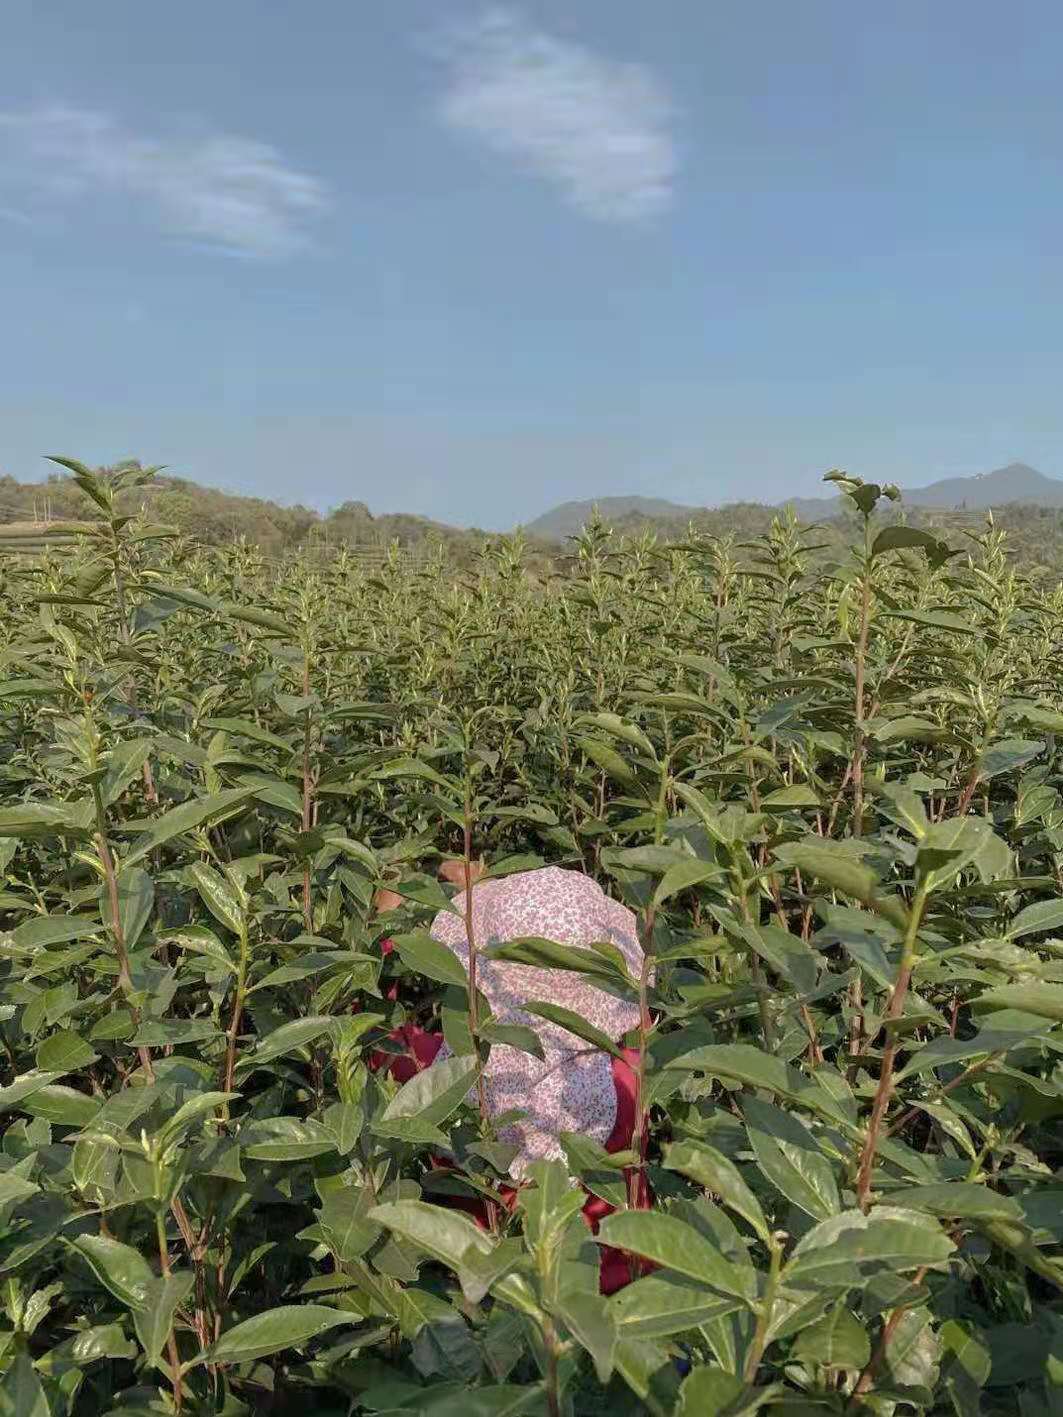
pixel 597 128
pixel 226 191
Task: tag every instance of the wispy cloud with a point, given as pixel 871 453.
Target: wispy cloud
pixel 229 192
pixel 597 128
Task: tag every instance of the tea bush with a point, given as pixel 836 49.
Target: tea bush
pixel 828 790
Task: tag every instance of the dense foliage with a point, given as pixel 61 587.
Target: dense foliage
pixel 830 791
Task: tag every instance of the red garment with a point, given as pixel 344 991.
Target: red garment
pixel 420 1049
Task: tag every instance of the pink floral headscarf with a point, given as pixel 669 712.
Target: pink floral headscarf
pixel 572 1089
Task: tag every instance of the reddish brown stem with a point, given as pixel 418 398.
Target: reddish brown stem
pixel 889 1328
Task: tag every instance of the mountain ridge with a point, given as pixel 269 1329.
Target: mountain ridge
pixel 1016 482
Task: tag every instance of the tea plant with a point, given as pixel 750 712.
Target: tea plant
pixel 829 790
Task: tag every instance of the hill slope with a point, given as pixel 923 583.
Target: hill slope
pixel 1018 483
pixel 216 517
pixel 567 519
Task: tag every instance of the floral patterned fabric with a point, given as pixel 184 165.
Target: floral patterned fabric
pixel 572 1089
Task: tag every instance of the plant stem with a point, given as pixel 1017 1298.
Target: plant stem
pixel 470 936
pixel 963 1077
pixel 125 978
pixel 171 1341
pixel 767 1305
pixel 638 1134
pixel 237 1015
pixel 767 1023
pixel 553 1395
pixel 150 790
pixel 885 1081
pixel 308 799
pixel 861 657
pixel 889 1328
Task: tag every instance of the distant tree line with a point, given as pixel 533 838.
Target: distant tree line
pixel 217 518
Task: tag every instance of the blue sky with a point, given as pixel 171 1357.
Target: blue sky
pixel 472 261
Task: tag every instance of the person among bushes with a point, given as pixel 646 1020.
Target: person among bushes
pixel 573 1087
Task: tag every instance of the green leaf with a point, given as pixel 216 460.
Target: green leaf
pixel 415 768
pixel 837 868
pixel 618 727
pixel 966 1367
pixel 434 1093
pixel 165 1032
pixel 573 1023
pixel 427 956
pixel 446 1235
pixel 344 1224
pixel 248 728
pixel 285 1139
pixel 599 1171
pixel 743 1063
pixel 124 762
pixel 1044 1000
pixel 199 940
pixel 964 1200
pixel 290 1036
pixel 123 1270
pixel 786 954
pixel 64 1052
pixel 839 1253
pixel 940 1052
pixel 45 930
pixel 548 954
pixel 274 792
pixel 1042 915
pixel 136 901
pixel 153 1318
pixel 252 615
pixel 1006 755
pixel 946 848
pixel 218 895
pixel 548 1204
pixel 903 538
pixel 661 1304
pixel 513 1035
pixel 345 1121
pixel 289 1326
pixel 591 1321
pixel 64 1106
pixel 837 1340
pixel 316 962
pixel 200 812
pixel 681 877
pixel 718 1173
pixel 424 890
pixel 608 759
pixel 25 1086
pixel 40 819
pixel 21 1393
pixel 788 1156
pixel 712 1392
pixel 505 1400
pixel 203 1104
pixel 786 798
pixel 674 1245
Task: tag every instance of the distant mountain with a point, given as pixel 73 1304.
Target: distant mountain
pixel 1016 483
pixel 569 517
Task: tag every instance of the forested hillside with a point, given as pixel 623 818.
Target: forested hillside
pixel 216 518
